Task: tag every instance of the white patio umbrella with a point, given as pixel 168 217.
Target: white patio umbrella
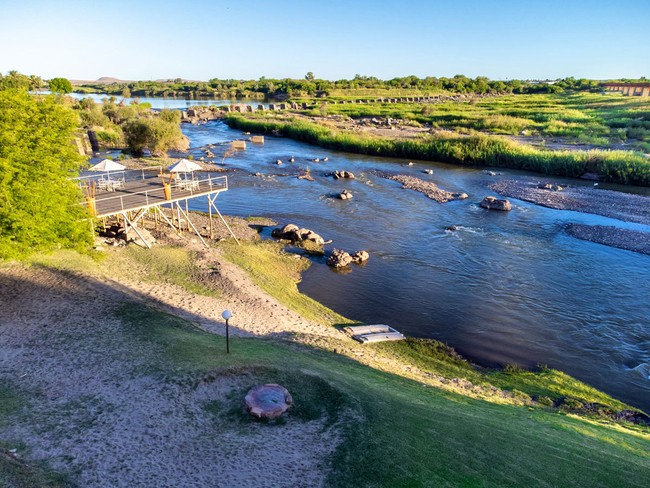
pixel 107 165
pixel 184 166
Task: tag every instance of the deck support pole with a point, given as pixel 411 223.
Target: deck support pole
pixel 187 212
pixel 189 222
pixel 127 222
pixel 210 212
pixel 160 210
pixel 211 201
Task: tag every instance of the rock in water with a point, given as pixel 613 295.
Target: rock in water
pixel 492 203
pixel 345 195
pixel 452 228
pixel 293 233
pixel 280 233
pixel 339 259
pixel 360 257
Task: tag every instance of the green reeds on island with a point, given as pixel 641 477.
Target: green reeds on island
pixel 481 150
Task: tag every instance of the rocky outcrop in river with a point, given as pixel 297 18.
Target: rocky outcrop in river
pixel 293 233
pixel 492 203
pixel 341 259
pixel 429 188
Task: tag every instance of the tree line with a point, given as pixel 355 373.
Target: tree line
pixel 309 86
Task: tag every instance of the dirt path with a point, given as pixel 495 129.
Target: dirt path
pixel 96 410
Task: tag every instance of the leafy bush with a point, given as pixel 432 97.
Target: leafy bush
pixel 60 85
pixel 158 134
pixel 569 404
pixel 39 208
pixel 513 368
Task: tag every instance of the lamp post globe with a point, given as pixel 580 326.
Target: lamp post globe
pixel 226 315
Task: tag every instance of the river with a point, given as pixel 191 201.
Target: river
pixel 504 288
pixel 166 102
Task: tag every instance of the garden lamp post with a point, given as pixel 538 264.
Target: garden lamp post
pixel 226 315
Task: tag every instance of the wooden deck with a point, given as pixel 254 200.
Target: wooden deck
pixel 147 192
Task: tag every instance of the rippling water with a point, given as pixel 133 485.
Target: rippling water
pixel 504 288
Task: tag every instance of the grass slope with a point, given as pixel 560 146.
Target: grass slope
pixel 394 431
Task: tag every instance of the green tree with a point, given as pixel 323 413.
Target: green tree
pixel 14 81
pixel 309 76
pixel 158 134
pixel 35 83
pixel 60 85
pixel 126 93
pixel 39 208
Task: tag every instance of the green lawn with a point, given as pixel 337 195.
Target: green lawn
pixel 394 431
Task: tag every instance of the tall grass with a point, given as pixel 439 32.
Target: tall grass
pixel 480 150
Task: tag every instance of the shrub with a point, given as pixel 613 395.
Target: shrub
pixel 39 208
pixel 569 404
pixel 513 368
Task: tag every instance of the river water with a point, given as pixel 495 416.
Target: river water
pixel 504 288
pixel 166 102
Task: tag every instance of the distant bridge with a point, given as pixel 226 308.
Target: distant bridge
pixel 633 89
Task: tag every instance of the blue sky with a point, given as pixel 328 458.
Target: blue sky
pixel 248 39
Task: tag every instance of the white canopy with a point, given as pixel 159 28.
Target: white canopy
pixel 183 166
pixel 107 165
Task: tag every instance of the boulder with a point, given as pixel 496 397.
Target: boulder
pixel 492 203
pixel 461 196
pixel 360 257
pixel 280 233
pixel 342 174
pixel 428 171
pixel 451 228
pixel 277 161
pixel 339 259
pixel 293 233
pixel 345 195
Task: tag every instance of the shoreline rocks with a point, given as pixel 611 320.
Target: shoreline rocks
pixel 493 203
pixel 293 233
pixel 341 259
pixel 345 195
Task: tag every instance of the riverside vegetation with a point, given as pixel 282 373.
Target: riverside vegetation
pixel 474 132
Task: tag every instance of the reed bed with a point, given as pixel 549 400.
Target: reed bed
pixel 478 149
